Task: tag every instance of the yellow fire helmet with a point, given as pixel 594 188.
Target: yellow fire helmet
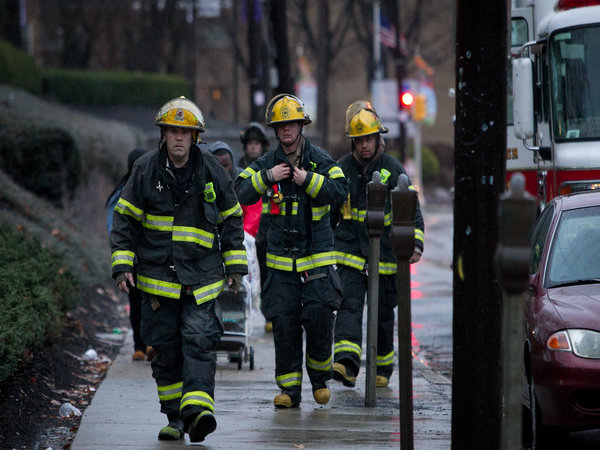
pixel 286 108
pixel 183 113
pixel 354 109
pixel 364 123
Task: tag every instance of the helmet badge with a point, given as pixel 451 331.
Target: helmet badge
pixel 180 115
pixel 285 112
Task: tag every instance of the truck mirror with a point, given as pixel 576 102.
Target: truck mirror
pixel 522 79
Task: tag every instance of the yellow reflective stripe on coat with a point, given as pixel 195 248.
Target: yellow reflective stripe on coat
pixel 122 257
pixel 386 360
pixel 197 398
pixel 347 259
pixel 208 292
pixel 348 346
pixel 318 365
pixel 315 185
pixel 170 392
pixel 258 183
pixel 128 209
pixel 158 287
pixel 335 172
pixel 280 262
pixel 235 257
pixel 318 212
pixel 316 260
pixel 160 223
pixel 265 208
pixel 387 219
pixel 387 268
pixel 419 235
pixel 289 379
pixel 193 234
pixel 248 172
pixel 359 215
pixel 236 210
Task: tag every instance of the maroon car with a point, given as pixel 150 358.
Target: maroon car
pixel 562 321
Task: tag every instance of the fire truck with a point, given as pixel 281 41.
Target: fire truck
pixel 553 133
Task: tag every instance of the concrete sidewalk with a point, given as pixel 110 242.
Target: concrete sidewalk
pixel 125 413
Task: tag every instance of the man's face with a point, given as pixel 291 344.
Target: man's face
pixel 365 146
pixel 226 162
pixel 288 132
pixel 254 148
pixel 179 141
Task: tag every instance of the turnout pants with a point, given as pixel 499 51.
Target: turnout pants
pixel 183 334
pixel 296 301
pixel 348 324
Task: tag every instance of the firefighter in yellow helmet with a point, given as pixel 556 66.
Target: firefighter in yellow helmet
pixel 166 220
pixel 364 129
pixel 302 289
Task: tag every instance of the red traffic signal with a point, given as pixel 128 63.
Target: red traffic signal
pixel 406 99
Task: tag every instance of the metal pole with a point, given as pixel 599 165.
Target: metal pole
pixel 377 39
pixel 372 318
pixel 402 237
pixel 376 197
pixel 516 218
pixel 405 356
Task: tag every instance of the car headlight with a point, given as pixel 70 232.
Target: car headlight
pixel 583 343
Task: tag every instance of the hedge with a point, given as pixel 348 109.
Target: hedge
pixel 18 69
pixel 36 290
pixel 44 161
pixel 105 88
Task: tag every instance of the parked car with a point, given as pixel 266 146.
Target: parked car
pixel 561 389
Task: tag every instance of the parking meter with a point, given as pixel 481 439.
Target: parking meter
pixel 516 214
pixel 404 205
pixel 376 197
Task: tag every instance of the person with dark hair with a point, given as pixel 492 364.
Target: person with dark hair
pixel 140 350
pixel 255 143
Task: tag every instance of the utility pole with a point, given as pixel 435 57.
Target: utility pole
pixel 480 143
pixel 323 72
pixel 282 55
pixel 255 61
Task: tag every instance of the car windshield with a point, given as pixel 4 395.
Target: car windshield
pixel 575 253
pixel 575 67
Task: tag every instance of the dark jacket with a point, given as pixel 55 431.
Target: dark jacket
pixel 174 233
pixel 300 235
pixel 351 238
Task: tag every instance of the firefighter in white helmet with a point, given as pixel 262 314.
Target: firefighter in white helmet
pixel 302 289
pixel 167 219
pixel 364 128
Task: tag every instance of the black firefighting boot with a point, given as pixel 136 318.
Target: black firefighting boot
pixel 201 425
pixel 173 431
pixel 344 373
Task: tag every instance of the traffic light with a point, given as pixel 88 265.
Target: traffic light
pixel 406 100
pixel 419 108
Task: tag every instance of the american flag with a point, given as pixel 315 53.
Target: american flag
pixel 387 33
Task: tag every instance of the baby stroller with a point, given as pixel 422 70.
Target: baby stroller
pixel 237 314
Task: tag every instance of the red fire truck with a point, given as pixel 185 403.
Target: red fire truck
pixel 554 99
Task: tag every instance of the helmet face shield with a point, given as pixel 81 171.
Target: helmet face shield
pixel 182 113
pixel 286 108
